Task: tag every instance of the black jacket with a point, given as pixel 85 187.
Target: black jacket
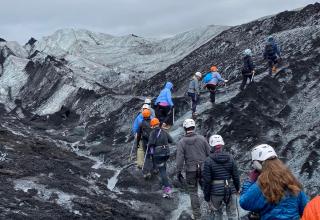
pixel 220 166
pixel 144 130
pixel 248 65
pixel 159 138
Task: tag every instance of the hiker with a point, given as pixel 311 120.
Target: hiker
pixel 158 144
pixel 192 150
pixel 272 190
pixel 143 135
pixel 271 54
pixel 147 101
pixel 248 68
pixel 221 181
pixel 194 92
pixel 212 80
pixel 165 106
pixel 135 127
pixel 312 210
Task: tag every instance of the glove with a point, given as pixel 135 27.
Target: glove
pixel 180 177
pixel 253 175
pixel 207 198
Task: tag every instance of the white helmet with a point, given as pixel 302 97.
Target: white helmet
pixel 263 152
pixel 188 123
pixel 147 101
pixel 198 74
pixel 247 52
pixel 146 106
pixel 216 140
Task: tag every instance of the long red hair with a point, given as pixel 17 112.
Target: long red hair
pixel 276 179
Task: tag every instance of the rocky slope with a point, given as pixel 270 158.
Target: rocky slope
pixel 65 132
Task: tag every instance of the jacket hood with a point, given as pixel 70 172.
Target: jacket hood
pixel 221 157
pixel 168 85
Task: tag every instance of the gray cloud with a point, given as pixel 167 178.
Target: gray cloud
pixel 21 19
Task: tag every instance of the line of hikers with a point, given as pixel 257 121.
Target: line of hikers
pixel 271 190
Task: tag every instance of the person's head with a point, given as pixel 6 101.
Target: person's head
pixel 247 52
pixel 169 85
pixel 198 75
pixel 189 125
pixel 214 69
pixel 147 101
pixel 145 106
pixel 275 179
pixel 216 142
pixel 146 113
pixel 154 123
pixel 270 38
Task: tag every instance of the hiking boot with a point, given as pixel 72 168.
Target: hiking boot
pixel 167 191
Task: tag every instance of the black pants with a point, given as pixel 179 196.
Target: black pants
pixel 212 90
pixel 192 183
pixel 244 80
pixel 194 100
pixel 163 114
pixel 271 62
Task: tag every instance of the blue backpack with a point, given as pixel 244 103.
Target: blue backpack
pixel 208 77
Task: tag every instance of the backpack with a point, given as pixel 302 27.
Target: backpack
pixel 146 129
pixel 208 77
pixel 270 51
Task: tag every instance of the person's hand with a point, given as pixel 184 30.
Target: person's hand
pixel 253 71
pixel 253 175
pixel 180 177
pixel 226 81
pixel 207 199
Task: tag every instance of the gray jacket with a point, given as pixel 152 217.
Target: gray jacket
pixel 192 149
pixel 194 86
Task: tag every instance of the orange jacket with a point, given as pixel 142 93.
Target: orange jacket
pixel 312 210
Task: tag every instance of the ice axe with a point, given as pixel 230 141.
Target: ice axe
pixel 131 151
pixel 145 157
pixel 253 73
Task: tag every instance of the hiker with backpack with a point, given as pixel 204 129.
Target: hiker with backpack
pixel 312 210
pixel 212 80
pixel 272 54
pixel 165 106
pixel 221 181
pixel 158 145
pixel 135 127
pixel 192 151
pixel 248 68
pixel 143 136
pixel 272 190
pixel 194 92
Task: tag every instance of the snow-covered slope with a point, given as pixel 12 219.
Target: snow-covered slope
pixel 115 61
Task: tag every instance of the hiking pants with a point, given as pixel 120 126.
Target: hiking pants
pixel 217 207
pixel 194 100
pixel 212 90
pixel 192 180
pixel 161 164
pixel 271 62
pixel 163 114
pixel 244 80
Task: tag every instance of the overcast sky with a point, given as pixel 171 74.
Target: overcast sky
pixel 21 19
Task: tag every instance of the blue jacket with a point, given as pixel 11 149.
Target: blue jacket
pixel 269 54
pixel 289 208
pixel 165 95
pixel 138 120
pixel 216 78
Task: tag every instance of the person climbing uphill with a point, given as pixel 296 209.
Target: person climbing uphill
pixel 147 101
pixel 248 68
pixel 165 106
pixel 221 181
pixel 143 135
pixel 212 80
pixel 194 92
pixel 312 210
pixel 158 144
pixel 192 151
pixel 135 127
pixel 272 190
pixel 272 54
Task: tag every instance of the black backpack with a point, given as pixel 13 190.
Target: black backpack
pixel 270 51
pixel 146 129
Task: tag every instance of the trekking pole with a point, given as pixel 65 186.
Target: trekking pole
pixel 172 116
pixel 237 207
pixel 145 157
pixel 253 73
pixel 131 151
